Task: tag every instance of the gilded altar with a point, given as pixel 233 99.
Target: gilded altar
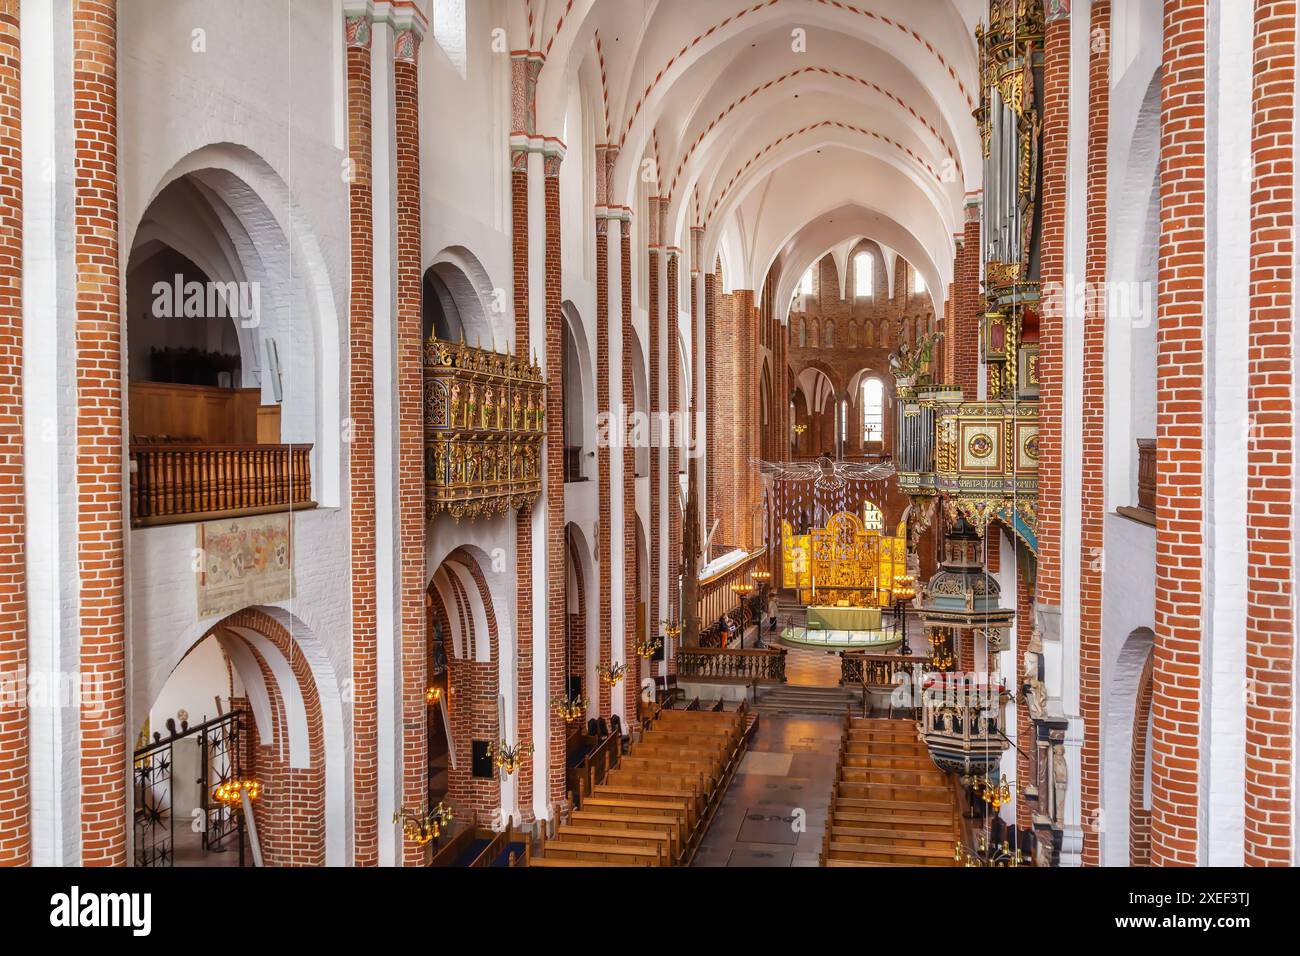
pixel 484 422
pixel 844 564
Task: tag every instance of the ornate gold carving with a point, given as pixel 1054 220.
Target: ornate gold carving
pixel 485 418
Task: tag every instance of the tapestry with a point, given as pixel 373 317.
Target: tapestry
pixel 243 562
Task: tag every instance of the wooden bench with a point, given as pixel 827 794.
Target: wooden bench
pixel 666 824
pixel 601 853
pixel 660 840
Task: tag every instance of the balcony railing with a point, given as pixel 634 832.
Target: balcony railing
pixel 716 597
pixel 752 665
pixel 1145 511
pixel 174 483
pixel 879 671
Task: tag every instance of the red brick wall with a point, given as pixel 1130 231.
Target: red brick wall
pixel 712 283
pixel 1180 441
pixel 1270 517
pixel 15 793
pixel 410 389
pixel 1024 727
pixel 1139 815
pixel 966 343
pixel 1056 124
pixel 554 482
pixel 361 457
pixel 99 434
pixel 1093 521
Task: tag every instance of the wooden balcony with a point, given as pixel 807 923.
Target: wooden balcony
pixel 716 597
pixel 176 482
pixel 1145 511
pixel 962 723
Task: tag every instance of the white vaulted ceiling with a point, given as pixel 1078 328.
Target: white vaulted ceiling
pixel 783 127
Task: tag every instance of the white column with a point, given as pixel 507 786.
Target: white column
pixel 49 399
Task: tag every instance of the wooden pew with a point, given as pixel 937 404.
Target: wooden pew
pixel 665 824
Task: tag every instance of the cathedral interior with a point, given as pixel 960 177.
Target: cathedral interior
pixel 648 433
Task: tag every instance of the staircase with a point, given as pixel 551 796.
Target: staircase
pixel 792 699
pixel 891 805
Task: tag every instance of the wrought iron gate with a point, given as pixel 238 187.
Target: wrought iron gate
pixel 155 821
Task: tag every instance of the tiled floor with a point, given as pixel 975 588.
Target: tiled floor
pixel 810 667
pixel 774 812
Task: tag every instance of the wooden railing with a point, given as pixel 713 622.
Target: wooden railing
pixel 173 483
pixel 716 597
pixel 877 670
pixel 758 665
pixel 1147 474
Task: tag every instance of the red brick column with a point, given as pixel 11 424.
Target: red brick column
pixel 711 282
pixel 1093 520
pixel 966 317
pixel 1056 126
pixel 15 792
pixel 602 402
pixel 1270 491
pixel 1180 440
pixel 949 340
pixel 674 449
pixel 361 457
pixel 555 563
pixel 519 247
pixel 410 457
pixel 1024 726
pixel 631 572
pixel 99 435
pixel 656 467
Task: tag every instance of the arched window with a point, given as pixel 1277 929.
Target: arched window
pixel 918 282
pixel 864 275
pixel 806 283
pixel 828 336
pixel 873 411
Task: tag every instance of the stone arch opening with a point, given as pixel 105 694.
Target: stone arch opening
pixel 465 711
pixel 263 666
pixel 1126 756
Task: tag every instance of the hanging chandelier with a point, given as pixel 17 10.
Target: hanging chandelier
pixel 646 647
pixel 507 758
pixel 570 708
pixel 995 795
pixel 612 674
pixel 231 792
pixel 423 827
pixel 432 695
pixel 671 630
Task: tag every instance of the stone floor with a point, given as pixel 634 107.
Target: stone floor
pixel 774 812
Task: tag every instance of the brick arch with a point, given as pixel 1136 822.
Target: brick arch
pixel 286 747
pixel 459 599
pixel 1139 814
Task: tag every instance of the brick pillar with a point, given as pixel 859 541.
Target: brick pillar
pixel 1024 727
pixel 711 283
pixel 15 792
pixel 1056 127
pixel 631 572
pixel 674 449
pixel 1093 512
pixel 1270 490
pixel 605 631
pixel 410 454
pixel 1180 441
pixel 101 602
pixel 555 559
pixel 966 318
pixel 696 461
pixel 1139 815
pixel 656 466
pixel 361 457
pixel 949 333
